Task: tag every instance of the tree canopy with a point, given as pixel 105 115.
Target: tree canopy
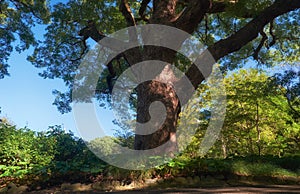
pixel 234 33
pixel 17 17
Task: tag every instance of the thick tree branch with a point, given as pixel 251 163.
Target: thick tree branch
pixel 235 42
pixel 221 6
pixel 143 8
pixel 91 31
pixel 164 11
pixel 218 7
pixel 252 29
pixel 193 15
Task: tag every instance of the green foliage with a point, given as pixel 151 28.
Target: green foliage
pixel 290 83
pixel 258 118
pixel 60 54
pixel 23 151
pixel 71 154
pixel 258 169
pixel 50 155
pixel 264 166
pixel 56 156
pixel 103 145
pixel 16 20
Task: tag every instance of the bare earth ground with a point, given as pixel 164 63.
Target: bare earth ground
pixel 252 189
pixel 172 186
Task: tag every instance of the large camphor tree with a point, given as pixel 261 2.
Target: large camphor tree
pixel 234 32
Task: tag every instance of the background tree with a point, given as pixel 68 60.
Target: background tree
pixel 290 86
pixel 234 31
pixel 258 119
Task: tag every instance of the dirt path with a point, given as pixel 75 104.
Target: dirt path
pixel 264 189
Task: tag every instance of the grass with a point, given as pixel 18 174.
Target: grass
pixel 261 169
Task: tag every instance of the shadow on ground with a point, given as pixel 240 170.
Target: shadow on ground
pixel 254 189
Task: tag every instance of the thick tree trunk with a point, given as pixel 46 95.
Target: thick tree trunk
pixel 160 89
pixel 148 93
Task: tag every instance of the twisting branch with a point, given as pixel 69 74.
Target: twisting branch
pixel 261 44
pixel 91 31
pixel 250 31
pixel 125 10
pixel 242 37
pixel 82 51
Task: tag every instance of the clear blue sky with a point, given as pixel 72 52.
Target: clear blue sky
pixel 26 98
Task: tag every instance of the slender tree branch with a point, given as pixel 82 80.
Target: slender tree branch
pixel 261 44
pixel 125 10
pixel 206 27
pixel 290 103
pixel 83 50
pixel 16 2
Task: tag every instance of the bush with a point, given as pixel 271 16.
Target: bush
pixel 23 151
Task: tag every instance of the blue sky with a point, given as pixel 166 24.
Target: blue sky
pixel 26 98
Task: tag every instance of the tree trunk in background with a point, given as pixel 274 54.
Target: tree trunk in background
pixel 224 146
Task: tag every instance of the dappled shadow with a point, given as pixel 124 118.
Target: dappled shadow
pixel 256 189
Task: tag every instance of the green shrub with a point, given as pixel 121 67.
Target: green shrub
pixel 23 151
